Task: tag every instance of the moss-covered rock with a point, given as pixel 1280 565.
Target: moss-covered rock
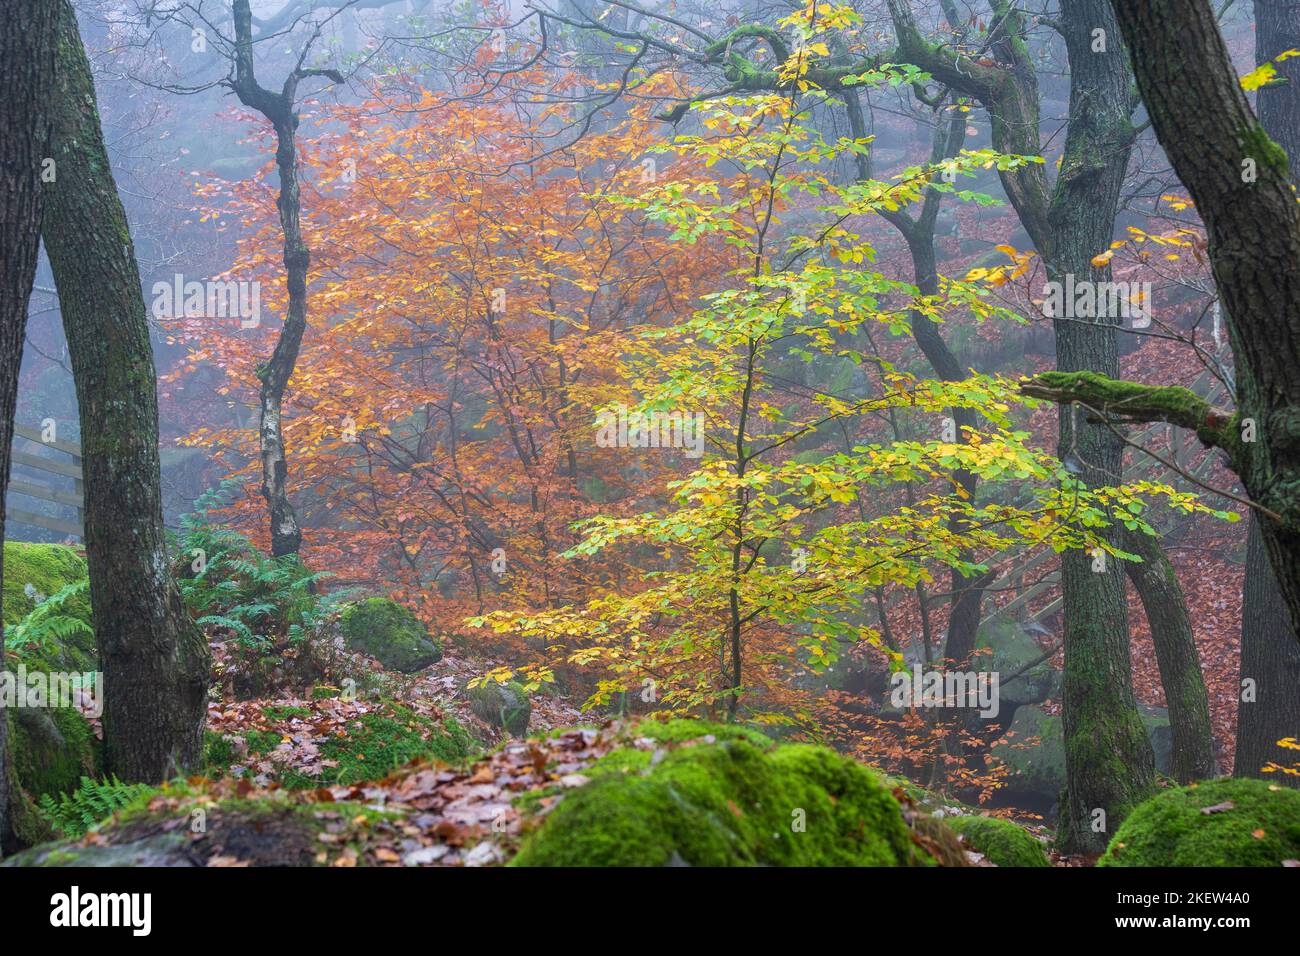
pixel 1005 648
pixel 728 803
pixel 1220 823
pixel 33 572
pixel 390 634
pixel 181 827
pixel 1001 841
pixel 502 705
pixel 52 749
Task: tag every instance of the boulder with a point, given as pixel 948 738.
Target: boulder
pixel 1220 823
pixel 1000 841
pixel 729 802
pixel 390 634
pixel 502 705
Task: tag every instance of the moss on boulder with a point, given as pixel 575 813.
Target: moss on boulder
pixel 1220 823
pixel 52 749
pixel 728 803
pixel 502 705
pixel 1001 841
pixel 33 572
pixel 390 634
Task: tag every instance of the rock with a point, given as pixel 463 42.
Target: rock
pixel 1161 735
pixel 52 749
pixel 167 849
pixel 1001 842
pixel 1038 771
pixel 390 634
pixel 1008 650
pixel 1220 823
pixel 33 572
pixel 1038 768
pixel 729 803
pixel 502 705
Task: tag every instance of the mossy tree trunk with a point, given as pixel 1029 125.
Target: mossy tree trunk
pixel 1109 763
pixel 28 36
pixel 155 660
pixel 1270 653
pixel 1240 181
pixel 1176 656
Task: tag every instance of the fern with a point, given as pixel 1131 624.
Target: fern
pixel 49 621
pixel 262 601
pixel 72 814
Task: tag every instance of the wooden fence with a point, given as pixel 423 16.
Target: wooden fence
pixel 66 465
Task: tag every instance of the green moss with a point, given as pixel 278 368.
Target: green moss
pixel 43 569
pixel 391 634
pixel 729 803
pixel 1252 823
pixel 502 705
pixel 1001 841
pixel 1261 147
pixel 285 711
pixel 52 749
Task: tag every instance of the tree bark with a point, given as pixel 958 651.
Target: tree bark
pixel 1270 659
pixel 286 532
pixel 1270 655
pixel 1108 758
pixel 1176 656
pixel 28 32
pixel 1240 180
pixel 155 660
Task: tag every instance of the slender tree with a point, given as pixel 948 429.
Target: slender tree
pixel 155 660
pixel 279 108
pixel 28 32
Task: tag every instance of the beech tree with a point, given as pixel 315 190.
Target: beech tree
pixel 1240 180
pixel 28 29
pixel 155 660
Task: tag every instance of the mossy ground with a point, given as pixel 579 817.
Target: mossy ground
pixel 1220 823
pixel 1001 841
pixel 365 748
pixel 730 802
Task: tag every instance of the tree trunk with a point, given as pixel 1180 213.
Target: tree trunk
pixel 1270 655
pixel 28 32
pixel 1240 181
pixel 1269 708
pixel 155 660
pixel 286 533
pixel 1177 658
pixel 1108 759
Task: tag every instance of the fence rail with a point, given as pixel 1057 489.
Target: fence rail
pixel 68 465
